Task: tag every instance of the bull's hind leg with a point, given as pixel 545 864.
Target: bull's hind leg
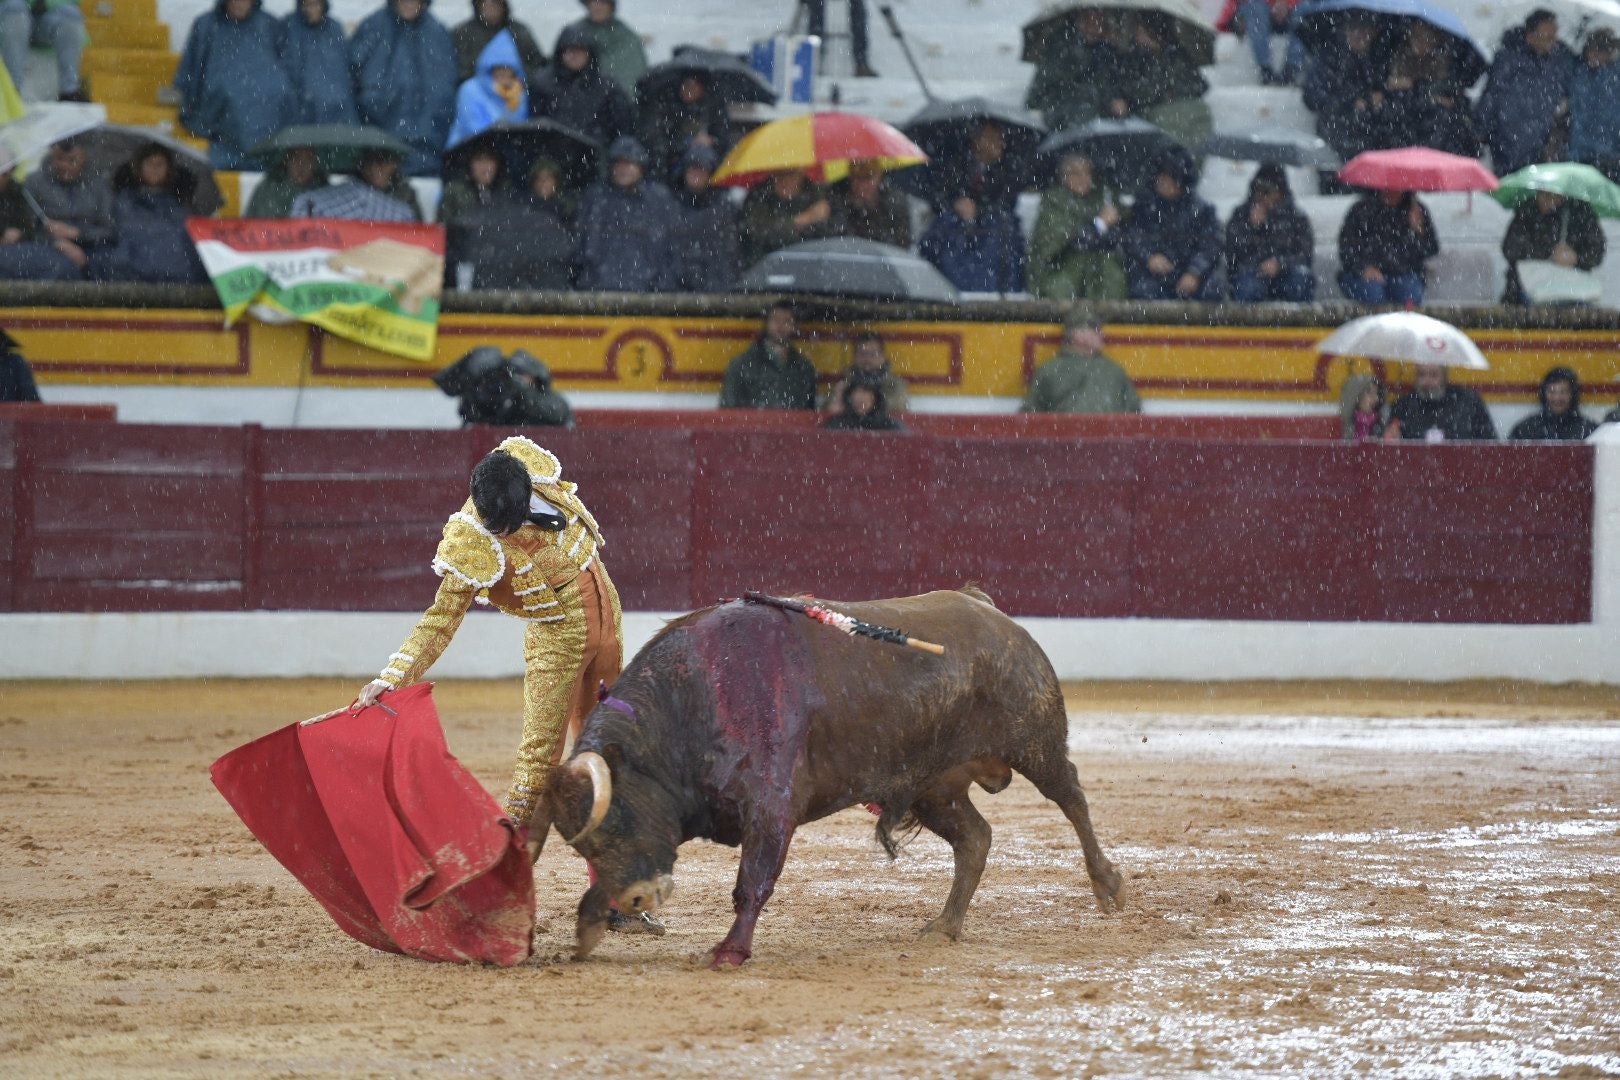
pixel 954 818
pixel 1056 778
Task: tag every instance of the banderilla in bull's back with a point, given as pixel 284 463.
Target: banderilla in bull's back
pixel 848 624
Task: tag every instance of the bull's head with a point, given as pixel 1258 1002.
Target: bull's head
pixel 626 824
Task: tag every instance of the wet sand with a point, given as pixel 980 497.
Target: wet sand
pixel 1325 879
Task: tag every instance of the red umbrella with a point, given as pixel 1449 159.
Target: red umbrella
pixel 1417 168
pixel 400 843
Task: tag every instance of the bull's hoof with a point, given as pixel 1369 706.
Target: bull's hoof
pixel 936 933
pixel 722 958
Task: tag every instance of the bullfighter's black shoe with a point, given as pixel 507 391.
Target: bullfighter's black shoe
pixel 635 924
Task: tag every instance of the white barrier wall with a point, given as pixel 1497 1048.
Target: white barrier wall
pixel 489 645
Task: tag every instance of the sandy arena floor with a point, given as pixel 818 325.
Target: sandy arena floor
pixel 1325 880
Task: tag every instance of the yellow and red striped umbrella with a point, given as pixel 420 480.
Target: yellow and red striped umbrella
pixel 822 144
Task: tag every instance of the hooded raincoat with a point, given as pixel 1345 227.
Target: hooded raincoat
pixel 406 74
pixel 233 91
pixel 1548 426
pixel 585 100
pixel 478 103
pixel 471 37
pixel 316 59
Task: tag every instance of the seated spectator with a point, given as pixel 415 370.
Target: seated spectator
pixel 1161 83
pixel 1269 243
pixel 315 56
pixel 1172 240
pixel 1419 102
pixel 782 211
pixel 1077 74
pixel 618 48
pixel 1080 379
pixel 1361 409
pixel 1560 418
pixel 482 185
pixel 495 94
pixel 233 91
pixel 26 252
pixel 378 193
pixel 978 249
pixel 1385 240
pixel 576 94
pixel 405 68
pixel 771 373
pixel 1435 411
pixel 871 364
pixel 490 17
pixel 1343 87
pixel 1528 93
pixel 294 173
pixel 57 24
pixel 151 201
pixel 984 174
pixel 16 378
pixel 1594 104
pixel 864 206
pixel 1554 229
pixel 707 238
pixel 1260 21
pixel 1612 416
pixel 76 205
pixel 1072 255
pixel 861 408
pixel 1447 121
pixel 627 226
pixel 523 241
pixel 688 114
pixel 547 193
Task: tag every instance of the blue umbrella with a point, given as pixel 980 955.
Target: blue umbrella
pixel 1319 21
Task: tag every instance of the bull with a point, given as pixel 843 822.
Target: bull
pixel 741 722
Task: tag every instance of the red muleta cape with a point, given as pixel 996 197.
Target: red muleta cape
pixel 396 839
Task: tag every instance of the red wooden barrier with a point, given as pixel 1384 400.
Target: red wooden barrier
pixel 46 410
pixel 101 517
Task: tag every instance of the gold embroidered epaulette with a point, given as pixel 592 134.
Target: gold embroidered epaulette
pixel 543 466
pixel 470 552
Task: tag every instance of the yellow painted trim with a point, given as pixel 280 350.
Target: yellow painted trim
pixel 192 348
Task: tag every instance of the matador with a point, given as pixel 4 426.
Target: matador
pixel 525 543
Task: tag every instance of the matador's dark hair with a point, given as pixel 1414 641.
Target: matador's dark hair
pixel 500 492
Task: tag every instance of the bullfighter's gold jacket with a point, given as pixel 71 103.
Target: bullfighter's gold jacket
pixel 524 575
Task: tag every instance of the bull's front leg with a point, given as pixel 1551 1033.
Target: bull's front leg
pixel 764 849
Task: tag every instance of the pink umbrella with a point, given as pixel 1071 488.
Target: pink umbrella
pixel 1417 168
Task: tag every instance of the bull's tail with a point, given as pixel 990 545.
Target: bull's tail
pixel 972 589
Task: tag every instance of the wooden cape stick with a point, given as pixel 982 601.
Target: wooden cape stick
pixel 847 623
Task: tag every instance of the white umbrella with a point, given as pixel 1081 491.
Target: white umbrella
pixel 1408 337
pixel 25 139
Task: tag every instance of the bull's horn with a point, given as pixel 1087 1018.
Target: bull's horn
pixel 596 767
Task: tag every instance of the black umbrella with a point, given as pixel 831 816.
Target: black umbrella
pixel 109 146
pixel 729 77
pixel 1319 25
pixel 1125 151
pixel 846 267
pixel 1277 146
pixel 337 146
pixel 523 144
pixel 945 130
pixel 1193 31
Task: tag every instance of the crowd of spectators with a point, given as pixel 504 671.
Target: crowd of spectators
pixel 649 219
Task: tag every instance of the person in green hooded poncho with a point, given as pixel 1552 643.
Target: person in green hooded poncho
pixel 1071 256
